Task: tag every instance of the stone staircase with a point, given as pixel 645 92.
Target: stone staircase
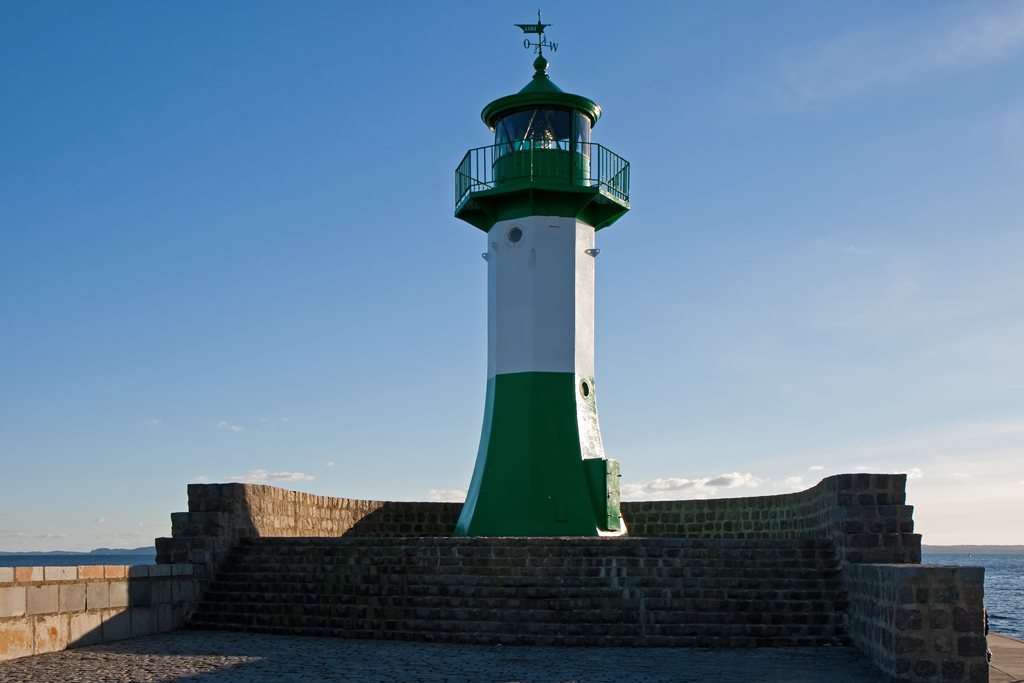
pixel 675 592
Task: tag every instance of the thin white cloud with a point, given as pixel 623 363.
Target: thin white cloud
pixel 850 64
pixel 663 488
pixel 814 468
pixel 151 423
pixel 263 475
pixel 5 533
pixel 865 468
pixel 202 479
pixel 100 520
pixel 796 482
pixel 330 463
pixel 732 480
pixel 447 495
pixel 225 425
pixel 286 420
pixel 915 473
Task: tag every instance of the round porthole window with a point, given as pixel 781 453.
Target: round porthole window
pixel 584 388
pixel 515 235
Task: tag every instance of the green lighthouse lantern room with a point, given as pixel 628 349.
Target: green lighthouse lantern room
pixel 542 157
pixel 540 193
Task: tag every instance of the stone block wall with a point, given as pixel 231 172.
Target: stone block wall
pixel 864 514
pixel 920 623
pixel 220 514
pixel 254 510
pixel 46 609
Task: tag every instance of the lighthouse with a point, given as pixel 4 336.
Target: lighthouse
pixel 540 193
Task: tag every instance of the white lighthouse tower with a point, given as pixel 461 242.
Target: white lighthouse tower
pixel 541 192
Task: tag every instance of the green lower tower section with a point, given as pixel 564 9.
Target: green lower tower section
pixel 532 474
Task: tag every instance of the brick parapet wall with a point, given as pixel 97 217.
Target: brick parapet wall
pixel 919 623
pixel 47 609
pixel 864 514
pixel 254 510
pixel 220 514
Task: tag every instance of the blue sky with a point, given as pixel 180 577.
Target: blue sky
pixel 227 251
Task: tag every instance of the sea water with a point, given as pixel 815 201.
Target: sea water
pixel 72 560
pixel 1004 587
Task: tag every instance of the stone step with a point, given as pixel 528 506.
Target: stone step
pixel 668 635
pixel 703 641
pixel 300 565
pixel 552 623
pixel 541 576
pixel 500 568
pixel 594 552
pixel 579 596
pixel 508 592
pixel 738 613
pixel 366 562
pixel 593 557
pixel 305 593
pixel 565 580
pixel 561 546
pixel 782 590
pixel 559 542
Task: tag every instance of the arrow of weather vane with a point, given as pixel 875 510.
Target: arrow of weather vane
pixel 542 42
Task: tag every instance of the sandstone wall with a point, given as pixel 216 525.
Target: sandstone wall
pixel 46 609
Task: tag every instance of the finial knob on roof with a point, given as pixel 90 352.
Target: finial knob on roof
pixel 541 65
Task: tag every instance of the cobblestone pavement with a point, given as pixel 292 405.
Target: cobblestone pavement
pixel 214 657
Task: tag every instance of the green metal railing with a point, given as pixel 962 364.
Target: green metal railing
pixel 590 165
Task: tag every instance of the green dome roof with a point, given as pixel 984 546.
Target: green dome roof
pixel 540 92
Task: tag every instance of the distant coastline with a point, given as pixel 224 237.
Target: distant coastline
pixel 148 550
pixel 973 549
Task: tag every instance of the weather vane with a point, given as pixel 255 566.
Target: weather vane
pixel 542 42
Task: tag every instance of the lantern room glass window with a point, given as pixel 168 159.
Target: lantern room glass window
pixel 534 129
pixel 581 132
